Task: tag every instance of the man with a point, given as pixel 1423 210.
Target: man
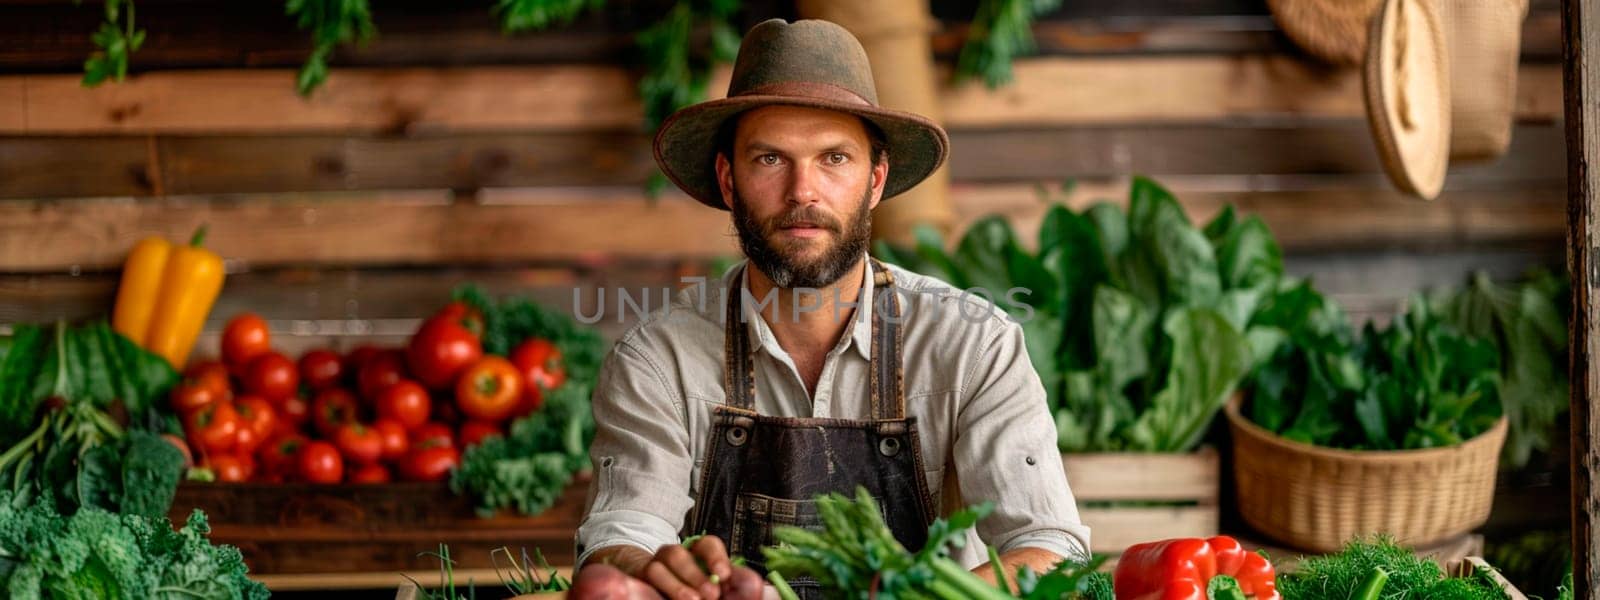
pixel 811 368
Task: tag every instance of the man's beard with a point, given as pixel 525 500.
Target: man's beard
pixel 777 258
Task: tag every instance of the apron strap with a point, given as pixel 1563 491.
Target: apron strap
pixel 887 399
pixel 738 373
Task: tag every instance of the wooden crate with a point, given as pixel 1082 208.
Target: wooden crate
pixel 1190 479
pixel 308 529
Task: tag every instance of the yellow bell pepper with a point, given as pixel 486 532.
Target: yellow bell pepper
pixel 140 288
pixel 163 309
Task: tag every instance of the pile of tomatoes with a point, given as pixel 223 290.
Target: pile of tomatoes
pixel 371 415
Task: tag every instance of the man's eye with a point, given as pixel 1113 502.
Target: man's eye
pixel 768 159
pixel 838 158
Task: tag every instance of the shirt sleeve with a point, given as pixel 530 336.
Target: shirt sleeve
pixel 1005 452
pixel 640 492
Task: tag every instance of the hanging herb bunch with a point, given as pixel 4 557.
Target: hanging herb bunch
pixel 332 22
pixel 677 73
pixel 116 39
pixel 1001 31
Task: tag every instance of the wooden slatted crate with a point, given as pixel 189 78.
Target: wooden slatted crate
pixel 308 529
pixel 1150 496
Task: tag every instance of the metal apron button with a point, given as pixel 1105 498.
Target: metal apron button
pixel 889 446
pixel 737 436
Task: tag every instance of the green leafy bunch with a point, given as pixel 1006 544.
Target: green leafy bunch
pixel 116 39
pixel 1001 31
pixel 1409 577
pixel 854 555
pixel 678 71
pixel 98 554
pixel 1527 321
pixel 60 386
pixel 532 15
pixel 1417 383
pixel 527 469
pixel 331 22
pixel 1138 323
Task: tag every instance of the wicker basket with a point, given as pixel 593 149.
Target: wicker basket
pixel 1316 499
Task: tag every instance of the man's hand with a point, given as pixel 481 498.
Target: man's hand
pixel 677 572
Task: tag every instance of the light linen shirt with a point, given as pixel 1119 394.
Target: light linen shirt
pixel 979 406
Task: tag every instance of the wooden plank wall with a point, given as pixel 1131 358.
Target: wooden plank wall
pixel 446 152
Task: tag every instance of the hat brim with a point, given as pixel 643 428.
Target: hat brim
pixel 685 146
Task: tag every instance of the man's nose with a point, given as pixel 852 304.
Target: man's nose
pixel 803 184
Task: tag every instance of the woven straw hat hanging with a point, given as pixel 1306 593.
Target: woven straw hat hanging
pixel 1334 31
pixel 1407 85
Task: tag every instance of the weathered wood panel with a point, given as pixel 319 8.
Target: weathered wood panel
pixel 1048 91
pixel 519 226
pixel 1581 47
pixel 1277 153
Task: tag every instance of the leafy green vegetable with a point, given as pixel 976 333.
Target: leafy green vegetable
pixel 856 556
pixel 677 71
pixel 1001 30
pixel 332 22
pixel 1410 577
pixel 1419 383
pixel 114 42
pixel 1139 324
pixel 525 15
pixel 1535 562
pixel 527 469
pixel 59 388
pixel 1527 322
pixel 99 554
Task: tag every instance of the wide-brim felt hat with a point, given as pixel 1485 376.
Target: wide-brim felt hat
pixel 808 63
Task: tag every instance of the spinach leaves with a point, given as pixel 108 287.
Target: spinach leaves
pixel 1417 383
pixel 1140 324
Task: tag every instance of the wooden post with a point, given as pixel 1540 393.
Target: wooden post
pixel 1581 49
pixel 897 36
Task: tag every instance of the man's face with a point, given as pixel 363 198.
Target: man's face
pixel 801 186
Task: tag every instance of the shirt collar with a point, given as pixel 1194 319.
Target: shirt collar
pixel 859 335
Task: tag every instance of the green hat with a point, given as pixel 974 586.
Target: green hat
pixel 809 63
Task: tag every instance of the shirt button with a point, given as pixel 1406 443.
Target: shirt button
pixel 1030 461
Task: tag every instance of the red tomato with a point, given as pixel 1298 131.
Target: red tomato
pixel 463 314
pixel 244 338
pixel 278 456
pixel 358 443
pixel 406 403
pixel 213 429
pixel 189 396
pixel 381 371
pixel 271 376
pixel 259 415
pixel 246 441
pixel 321 369
pixel 447 413
pixel 539 362
pixel 182 446
pixel 473 432
pixel 232 468
pixel 332 409
pixel 489 390
pixel 293 411
pixel 203 383
pixel 373 473
pixel 432 435
pixel 392 436
pixel 441 350
pixel 356 358
pixel 319 462
pixel 430 464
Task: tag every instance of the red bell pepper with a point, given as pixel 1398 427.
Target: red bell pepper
pixel 1181 569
